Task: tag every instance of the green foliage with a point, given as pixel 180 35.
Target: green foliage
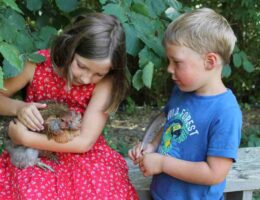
pixel 251 137
pixel 120 145
pixel 130 106
pixel 11 4
pixel 144 22
pixel 29 25
pixel 67 6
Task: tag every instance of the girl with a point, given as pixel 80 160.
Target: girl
pixel 85 69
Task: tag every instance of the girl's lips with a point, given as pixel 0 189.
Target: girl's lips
pixel 77 83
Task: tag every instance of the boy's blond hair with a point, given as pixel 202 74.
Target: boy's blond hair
pixel 204 31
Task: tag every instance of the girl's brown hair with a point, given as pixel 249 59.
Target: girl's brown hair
pixel 94 36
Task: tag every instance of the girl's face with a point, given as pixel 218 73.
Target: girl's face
pixel 187 68
pixel 88 71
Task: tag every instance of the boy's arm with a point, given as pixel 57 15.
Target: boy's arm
pixel 211 172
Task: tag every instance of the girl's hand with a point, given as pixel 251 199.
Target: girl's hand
pixel 30 116
pixel 16 131
pixel 136 153
pixel 151 163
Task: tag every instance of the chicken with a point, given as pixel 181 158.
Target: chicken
pixel 60 124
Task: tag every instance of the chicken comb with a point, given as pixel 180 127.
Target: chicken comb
pixel 152 129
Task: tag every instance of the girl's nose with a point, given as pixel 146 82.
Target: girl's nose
pixel 86 79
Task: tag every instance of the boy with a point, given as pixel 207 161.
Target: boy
pixel 200 139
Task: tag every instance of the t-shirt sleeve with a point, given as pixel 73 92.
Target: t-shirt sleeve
pixel 225 133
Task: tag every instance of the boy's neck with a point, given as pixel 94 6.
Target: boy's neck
pixel 213 88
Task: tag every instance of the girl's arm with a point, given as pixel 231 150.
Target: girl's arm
pixel 93 122
pixel 8 106
pixel 27 113
pixel 213 171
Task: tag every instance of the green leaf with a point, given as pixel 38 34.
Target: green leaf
pixel 137 80
pixel 35 57
pixel 140 8
pixel 44 37
pixel 117 10
pixel 15 20
pixel 257 142
pixel 9 70
pixel 7 33
pixel 248 66
pixel 67 5
pixel 11 54
pixel 34 5
pixel 133 44
pixel 148 74
pixel 175 4
pixel 243 55
pixel 146 30
pixel 146 55
pixel 237 60
pixel 1 78
pixel 102 1
pixel 13 5
pixel 24 43
pixel 172 13
pixel 226 71
pixel 156 7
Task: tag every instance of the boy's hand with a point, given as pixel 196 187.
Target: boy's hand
pixel 151 163
pixel 30 116
pixel 136 153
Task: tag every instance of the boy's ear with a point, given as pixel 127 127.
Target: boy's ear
pixel 211 61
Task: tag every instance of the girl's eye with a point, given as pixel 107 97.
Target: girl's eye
pixel 81 67
pixel 100 75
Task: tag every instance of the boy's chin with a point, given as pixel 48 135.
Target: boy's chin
pixel 185 89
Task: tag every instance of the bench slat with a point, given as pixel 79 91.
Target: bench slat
pixel 244 175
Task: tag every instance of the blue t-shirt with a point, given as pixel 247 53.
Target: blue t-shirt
pixel 197 127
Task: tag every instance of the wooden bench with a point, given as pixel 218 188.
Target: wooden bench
pixel 242 180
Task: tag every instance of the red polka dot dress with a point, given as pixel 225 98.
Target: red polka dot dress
pixel 99 174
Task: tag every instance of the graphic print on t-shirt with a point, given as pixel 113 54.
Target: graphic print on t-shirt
pixel 178 128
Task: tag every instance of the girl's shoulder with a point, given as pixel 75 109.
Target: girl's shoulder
pixel 45 68
pixel 14 84
pixel 46 54
pixel 105 85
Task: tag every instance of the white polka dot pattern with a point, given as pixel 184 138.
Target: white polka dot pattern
pixel 99 174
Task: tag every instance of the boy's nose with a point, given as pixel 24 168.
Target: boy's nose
pixel 170 69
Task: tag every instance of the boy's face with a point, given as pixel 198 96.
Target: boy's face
pixel 187 68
